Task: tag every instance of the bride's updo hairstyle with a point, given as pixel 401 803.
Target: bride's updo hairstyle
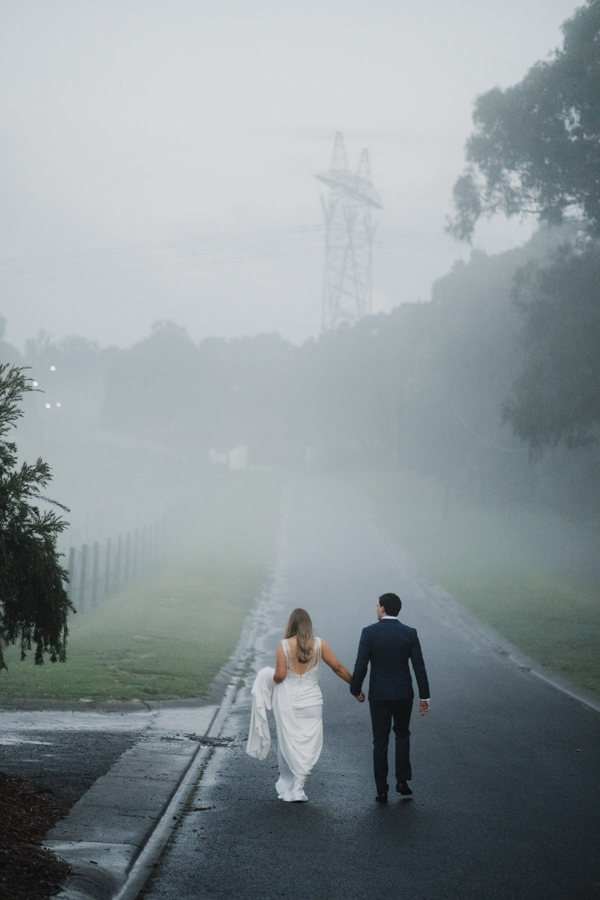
pixel 300 626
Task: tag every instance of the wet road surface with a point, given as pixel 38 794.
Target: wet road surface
pixel 65 751
pixel 505 768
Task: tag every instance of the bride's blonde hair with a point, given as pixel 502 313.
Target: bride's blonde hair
pixel 300 626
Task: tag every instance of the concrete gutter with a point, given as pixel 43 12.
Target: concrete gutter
pixel 132 807
pixel 115 834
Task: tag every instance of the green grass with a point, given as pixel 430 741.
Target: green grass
pixel 167 636
pixel 497 559
pixel 163 638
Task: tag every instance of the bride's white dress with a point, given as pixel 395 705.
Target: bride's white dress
pixel 298 708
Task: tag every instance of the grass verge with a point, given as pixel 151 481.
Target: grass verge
pixel 494 558
pixel 167 636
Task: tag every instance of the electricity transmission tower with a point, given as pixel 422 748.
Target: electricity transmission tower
pixel 348 238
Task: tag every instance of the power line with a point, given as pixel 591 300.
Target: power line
pixel 210 250
pixel 272 243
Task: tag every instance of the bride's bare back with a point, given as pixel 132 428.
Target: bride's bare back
pixel 300 668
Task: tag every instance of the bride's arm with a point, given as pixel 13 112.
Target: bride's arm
pixel 334 663
pixel 280 665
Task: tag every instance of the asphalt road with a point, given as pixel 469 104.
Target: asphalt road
pixel 65 752
pixel 505 767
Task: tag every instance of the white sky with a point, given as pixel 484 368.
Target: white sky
pixel 137 132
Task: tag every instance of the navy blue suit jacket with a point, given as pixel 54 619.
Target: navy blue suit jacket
pixel 388 645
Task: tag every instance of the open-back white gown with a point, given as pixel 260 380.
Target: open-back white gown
pixel 298 710
pixel 297 704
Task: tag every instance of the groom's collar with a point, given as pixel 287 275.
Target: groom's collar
pixel 395 618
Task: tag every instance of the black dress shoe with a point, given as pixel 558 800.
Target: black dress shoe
pixel 403 788
pixel 381 798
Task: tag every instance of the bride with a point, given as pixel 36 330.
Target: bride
pixel 297 704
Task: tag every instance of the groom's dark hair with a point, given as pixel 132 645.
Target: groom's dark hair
pixel 391 603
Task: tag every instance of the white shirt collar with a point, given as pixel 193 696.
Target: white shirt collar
pixel 390 617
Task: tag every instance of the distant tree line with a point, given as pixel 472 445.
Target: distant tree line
pixel 465 387
pixel 494 385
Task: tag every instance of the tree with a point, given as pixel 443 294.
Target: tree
pixel 556 397
pixel 536 149
pixel 536 146
pixel 33 601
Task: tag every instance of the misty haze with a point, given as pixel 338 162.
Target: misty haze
pixel 307 299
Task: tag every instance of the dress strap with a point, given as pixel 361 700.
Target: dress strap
pixel 316 655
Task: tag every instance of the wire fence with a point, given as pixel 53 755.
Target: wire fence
pixel 98 571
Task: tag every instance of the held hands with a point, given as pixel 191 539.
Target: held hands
pixel 424 705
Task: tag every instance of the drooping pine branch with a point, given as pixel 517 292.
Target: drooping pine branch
pixel 34 605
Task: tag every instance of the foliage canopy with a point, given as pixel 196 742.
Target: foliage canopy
pixel 556 397
pixel 33 601
pixel 536 145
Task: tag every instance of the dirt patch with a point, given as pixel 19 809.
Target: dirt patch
pixel 27 812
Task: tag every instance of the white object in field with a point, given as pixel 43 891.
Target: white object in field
pixel 238 457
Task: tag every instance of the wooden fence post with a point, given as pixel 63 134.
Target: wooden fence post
pixel 118 563
pixel 151 547
pixel 82 576
pixel 139 552
pixel 95 566
pixel 127 566
pixel 134 567
pixel 71 571
pixel 162 536
pixel 144 550
pixel 107 570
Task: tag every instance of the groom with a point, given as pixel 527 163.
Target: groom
pixel 388 645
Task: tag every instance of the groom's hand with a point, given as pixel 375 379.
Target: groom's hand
pixel 361 697
pixel 424 707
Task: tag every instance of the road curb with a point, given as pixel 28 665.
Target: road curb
pixel 143 866
pixel 113 867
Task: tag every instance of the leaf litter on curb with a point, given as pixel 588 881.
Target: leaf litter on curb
pixel 210 741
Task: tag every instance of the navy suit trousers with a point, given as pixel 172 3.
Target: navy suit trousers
pixel 382 714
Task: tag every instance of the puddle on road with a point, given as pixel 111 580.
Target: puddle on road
pixel 14 722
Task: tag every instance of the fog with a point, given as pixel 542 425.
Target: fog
pixel 162 248
pixel 162 431
pixel 158 158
